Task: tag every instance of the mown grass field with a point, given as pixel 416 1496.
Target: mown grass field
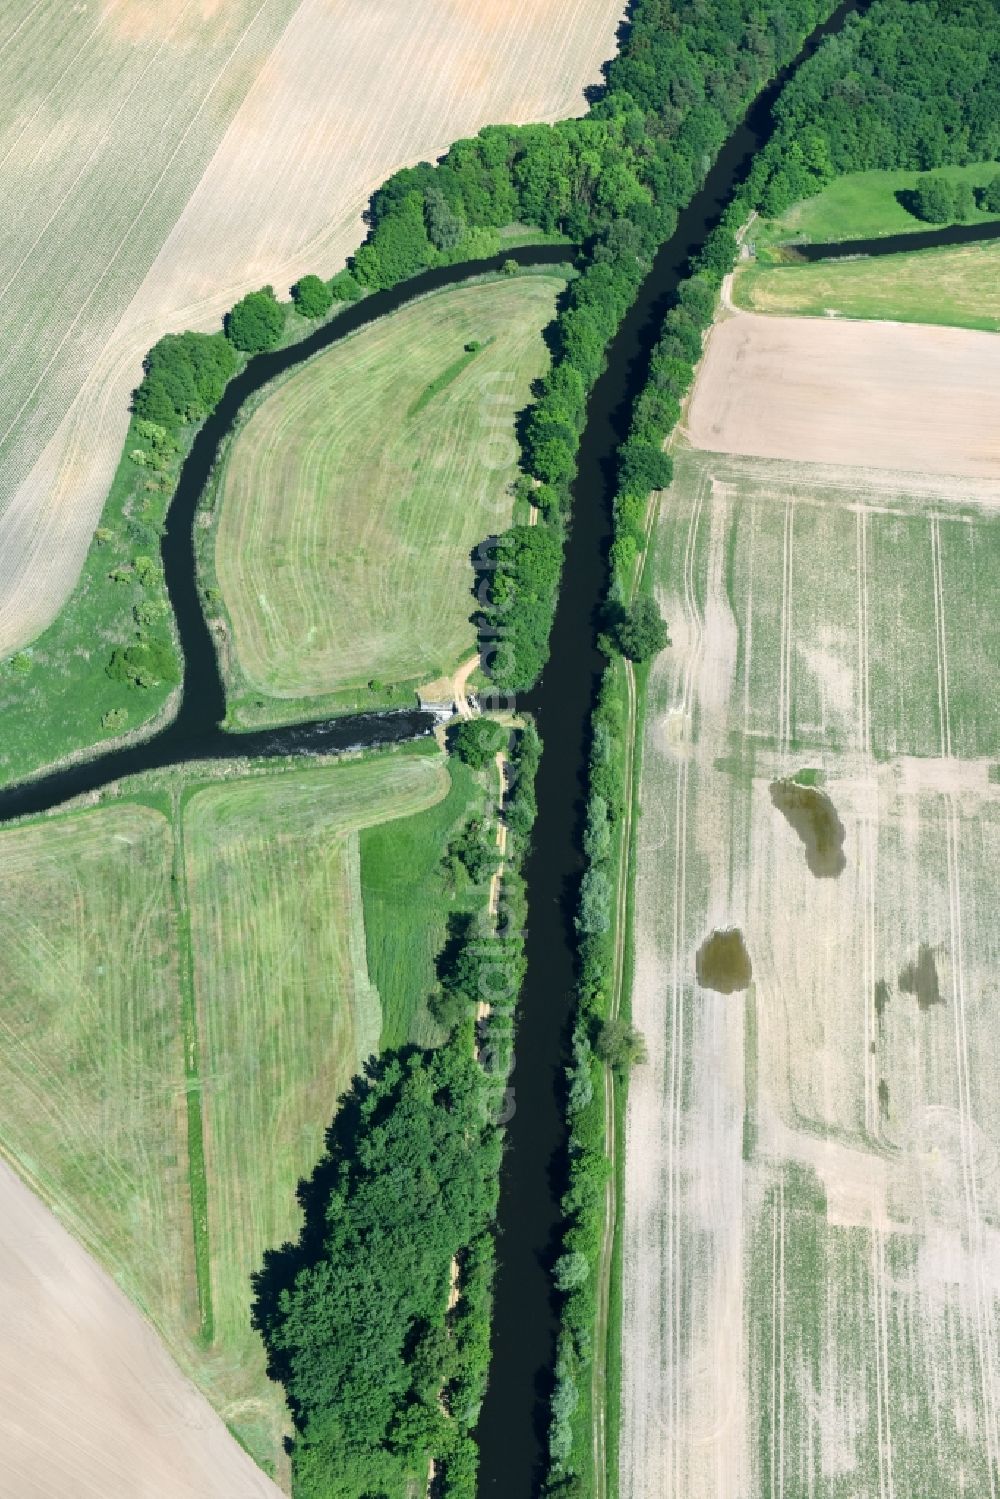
pixel 186 994
pixel 959 286
pixel 408 902
pixel 812 1200
pixel 863 205
pixel 351 499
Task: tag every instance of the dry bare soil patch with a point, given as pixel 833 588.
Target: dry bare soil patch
pixel 918 399
pixel 162 158
pixel 201 960
pixel 91 1398
pixel 356 492
pixel 812 1198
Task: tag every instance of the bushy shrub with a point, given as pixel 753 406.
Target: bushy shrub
pixel 145 664
pixel 256 322
pixel 933 199
pixel 638 630
pixel 344 288
pixel 988 197
pixel 312 297
pixel 185 375
pixel 477 740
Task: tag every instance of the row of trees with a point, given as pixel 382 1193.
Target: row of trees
pixel 601 1039
pixel 355 1315
pixel 185 374
pixel 937 200
pixel 882 95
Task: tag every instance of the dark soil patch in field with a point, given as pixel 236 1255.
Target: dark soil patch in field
pixel 921 978
pixel 723 962
pixel 882 995
pixel 814 817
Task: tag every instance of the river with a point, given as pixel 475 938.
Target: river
pixel 513 1424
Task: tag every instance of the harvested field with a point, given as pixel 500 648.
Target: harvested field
pixel 166 158
pixel 183 1000
pixel 958 286
pixel 812 1196
pixel 356 492
pixel 91 1398
pixel 884 395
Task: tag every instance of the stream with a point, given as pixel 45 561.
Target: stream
pixel 196 733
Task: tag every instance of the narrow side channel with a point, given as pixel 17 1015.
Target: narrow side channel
pixel 196 732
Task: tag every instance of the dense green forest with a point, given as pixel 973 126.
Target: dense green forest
pixel 911 83
pixel 377 1320
pixel 355 1316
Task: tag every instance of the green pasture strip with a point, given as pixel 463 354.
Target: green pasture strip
pixel 92 1072
pixel 407 903
pixel 446 377
pixel 958 286
pixel 56 692
pixel 615 1351
pixel 342 535
pixel 863 205
pixel 197 1178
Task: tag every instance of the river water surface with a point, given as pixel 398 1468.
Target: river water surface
pixel 512 1427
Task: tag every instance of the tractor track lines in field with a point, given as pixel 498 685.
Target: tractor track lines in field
pixel 674 1277
pixel 19 27
pixel 298 574
pixel 864 700
pixel 867 856
pixel 867 830
pixel 983 1324
pixel 785 661
pixel 125 238
pixel 692 612
pixel 944 715
pixel 99 144
pixel 777 1370
pixel 748 621
pixel 880 1308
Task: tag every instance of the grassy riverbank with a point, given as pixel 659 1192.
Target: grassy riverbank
pixel 958 286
